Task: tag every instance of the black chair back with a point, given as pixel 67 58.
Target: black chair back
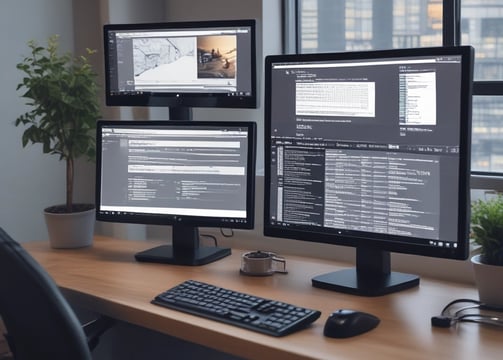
pixel 39 321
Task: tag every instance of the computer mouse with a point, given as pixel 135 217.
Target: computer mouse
pixel 345 323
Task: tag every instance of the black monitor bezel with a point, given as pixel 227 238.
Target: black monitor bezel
pixel 363 240
pixel 176 219
pixel 183 99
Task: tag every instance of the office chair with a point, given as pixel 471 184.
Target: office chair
pixel 39 321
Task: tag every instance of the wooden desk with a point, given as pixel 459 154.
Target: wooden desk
pixel 105 278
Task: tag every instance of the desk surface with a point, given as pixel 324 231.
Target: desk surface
pixel 105 278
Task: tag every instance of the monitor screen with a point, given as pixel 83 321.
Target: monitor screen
pixel 183 174
pixel 370 150
pixel 182 64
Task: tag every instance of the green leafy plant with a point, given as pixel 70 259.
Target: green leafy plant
pixel 487 228
pixel 63 95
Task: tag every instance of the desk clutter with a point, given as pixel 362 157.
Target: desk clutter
pixel 468 310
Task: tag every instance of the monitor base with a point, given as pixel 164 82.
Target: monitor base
pixel 347 281
pixel 164 254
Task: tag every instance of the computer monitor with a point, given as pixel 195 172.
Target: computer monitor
pixel 370 150
pixel 181 65
pixel 186 174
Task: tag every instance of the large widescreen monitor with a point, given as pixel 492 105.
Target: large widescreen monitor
pixel 371 150
pixel 181 65
pixel 186 174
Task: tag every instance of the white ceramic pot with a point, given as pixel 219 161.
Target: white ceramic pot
pixel 72 230
pixel 489 281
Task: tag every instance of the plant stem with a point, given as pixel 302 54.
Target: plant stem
pixel 69 183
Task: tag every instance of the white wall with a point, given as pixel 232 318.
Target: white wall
pixel 29 180
pixel 132 11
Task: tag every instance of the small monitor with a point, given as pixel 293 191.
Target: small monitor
pixel 370 150
pixel 181 64
pixel 186 174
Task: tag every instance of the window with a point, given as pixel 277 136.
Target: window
pixel 347 25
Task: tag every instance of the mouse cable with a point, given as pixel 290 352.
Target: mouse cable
pixel 452 314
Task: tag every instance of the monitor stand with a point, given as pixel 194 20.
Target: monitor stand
pixel 185 250
pixel 371 277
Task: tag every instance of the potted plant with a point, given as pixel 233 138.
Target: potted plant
pixel 63 95
pixel 487 233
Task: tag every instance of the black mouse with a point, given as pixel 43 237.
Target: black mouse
pixel 345 323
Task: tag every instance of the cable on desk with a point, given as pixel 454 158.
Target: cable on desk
pixel 456 312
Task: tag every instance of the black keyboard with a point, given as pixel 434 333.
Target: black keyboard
pixel 267 316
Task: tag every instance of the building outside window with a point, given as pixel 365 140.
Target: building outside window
pixel 349 25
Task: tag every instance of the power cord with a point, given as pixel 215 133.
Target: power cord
pixel 222 231
pixel 224 234
pixel 455 312
pixel 212 237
